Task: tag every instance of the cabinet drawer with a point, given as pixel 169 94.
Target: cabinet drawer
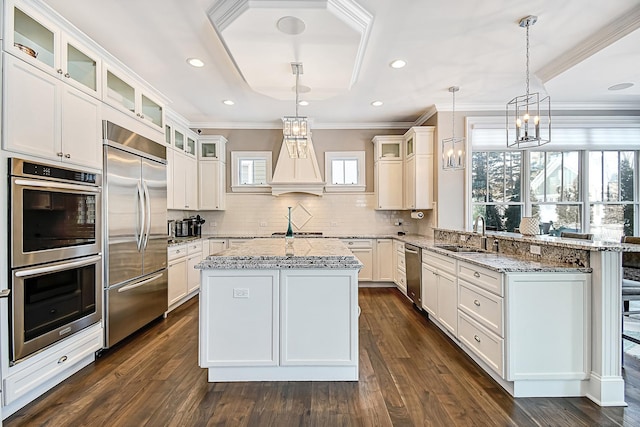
pixel 177 251
pixel 400 261
pixel 398 246
pixel 47 368
pixel 487 279
pixel 485 344
pixel 358 243
pixel 440 262
pixel 481 305
pixel 194 247
pixel 402 282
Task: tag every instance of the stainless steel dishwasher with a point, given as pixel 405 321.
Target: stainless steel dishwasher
pixel 413 261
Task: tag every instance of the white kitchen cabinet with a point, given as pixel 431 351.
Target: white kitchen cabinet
pixel 178 287
pixel 383 267
pixel 439 289
pixel 184 182
pixel 212 180
pixel 400 271
pixel 127 95
pixel 388 172
pixel 68 121
pixel 363 250
pixel 56 53
pixel 216 246
pixel 194 257
pixel 235 242
pixel 418 167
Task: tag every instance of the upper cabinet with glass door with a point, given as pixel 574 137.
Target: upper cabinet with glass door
pixel 388 147
pixel 213 148
pixel 191 144
pixel 35 39
pixel 124 94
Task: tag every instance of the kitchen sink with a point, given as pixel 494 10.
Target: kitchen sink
pixel 456 248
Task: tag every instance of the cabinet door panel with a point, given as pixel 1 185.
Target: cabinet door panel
pixel 191 184
pixel 209 185
pixel 31 120
pixel 193 275
pixel 429 290
pixel 177 280
pixel 180 165
pixel 384 260
pixel 366 258
pixel 81 130
pixel 389 184
pixel 448 302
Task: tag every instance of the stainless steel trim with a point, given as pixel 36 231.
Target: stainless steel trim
pixel 139 217
pixel 410 251
pixel 147 202
pixel 56 185
pixel 5 293
pixel 58 267
pixel 136 285
pixel 118 136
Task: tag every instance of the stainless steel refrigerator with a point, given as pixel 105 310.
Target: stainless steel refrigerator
pixel 135 221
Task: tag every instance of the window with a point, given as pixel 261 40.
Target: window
pixel 496 189
pixel 344 171
pixel 612 178
pixel 251 170
pixel 554 190
pixel 580 184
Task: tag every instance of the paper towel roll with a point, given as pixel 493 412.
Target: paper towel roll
pixel 417 215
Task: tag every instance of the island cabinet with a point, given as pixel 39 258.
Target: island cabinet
pixel 532 329
pixel 285 319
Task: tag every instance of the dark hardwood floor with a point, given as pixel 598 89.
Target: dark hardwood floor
pixel 410 375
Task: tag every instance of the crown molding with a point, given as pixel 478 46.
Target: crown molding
pixel 278 125
pixel 611 33
pixel 431 111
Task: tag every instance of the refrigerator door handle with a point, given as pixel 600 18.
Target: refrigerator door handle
pixel 147 203
pixel 140 214
pixel 137 285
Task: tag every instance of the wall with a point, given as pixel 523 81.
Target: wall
pixel 257 214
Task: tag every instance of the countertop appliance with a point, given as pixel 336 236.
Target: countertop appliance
pixel 55 253
pixel 413 263
pixel 135 217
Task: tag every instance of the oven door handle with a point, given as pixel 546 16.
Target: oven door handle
pixel 137 285
pixel 56 185
pixel 53 268
pixel 139 217
pixel 147 203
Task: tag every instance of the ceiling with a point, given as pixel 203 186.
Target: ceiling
pixel 579 48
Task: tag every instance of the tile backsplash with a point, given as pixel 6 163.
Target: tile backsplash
pixel 332 214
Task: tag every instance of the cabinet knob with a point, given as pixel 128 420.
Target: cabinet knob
pixel 67 156
pixel 67 75
pixel 59 70
pixel 62 359
pixel 477 303
pixel 476 274
pixel 138 114
pixel 142 116
pixel 351 243
pixel 477 338
pixel 59 153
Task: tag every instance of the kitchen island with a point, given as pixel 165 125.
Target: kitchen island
pixel 266 316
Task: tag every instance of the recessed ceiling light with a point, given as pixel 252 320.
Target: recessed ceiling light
pixel 228 102
pixel 195 62
pixel 621 86
pixel 398 63
pixel 303 103
pixel 291 25
pixel 377 103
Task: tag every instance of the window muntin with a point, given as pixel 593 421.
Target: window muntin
pixel 253 171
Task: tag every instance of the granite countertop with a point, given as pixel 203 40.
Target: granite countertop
pixel 174 241
pixel 269 253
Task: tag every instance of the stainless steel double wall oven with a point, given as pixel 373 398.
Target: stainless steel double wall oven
pixel 55 253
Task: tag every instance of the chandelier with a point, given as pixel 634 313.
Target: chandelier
pixel 295 128
pixel 453 148
pixel 528 116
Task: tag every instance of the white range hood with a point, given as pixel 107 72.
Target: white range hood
pixel 297 175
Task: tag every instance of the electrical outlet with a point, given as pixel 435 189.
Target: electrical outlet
pixel 534 249
pixel 240 293
pixel 463 238
pixel 263 223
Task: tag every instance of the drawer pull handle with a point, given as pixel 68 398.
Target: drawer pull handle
pixel 477 338
pixel 351 243
pixel 476 274
pixel 62 359
pixel 477 303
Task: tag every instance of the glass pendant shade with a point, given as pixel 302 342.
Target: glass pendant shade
pixel 528 116
pixel 295 129
pixel 453 149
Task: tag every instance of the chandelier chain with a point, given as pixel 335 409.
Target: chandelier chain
pixel 528 24
pixel 453 115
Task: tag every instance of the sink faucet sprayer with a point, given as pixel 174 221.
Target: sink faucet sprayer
pixel 483 239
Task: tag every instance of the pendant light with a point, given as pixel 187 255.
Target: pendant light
pixel 295 128
pixel 453 148
pixel 528 116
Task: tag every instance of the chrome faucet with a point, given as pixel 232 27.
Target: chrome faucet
pixel 483 239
